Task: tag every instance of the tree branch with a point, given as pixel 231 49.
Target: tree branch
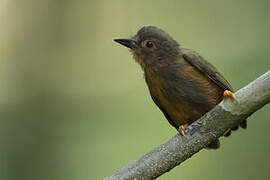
pixel 212 125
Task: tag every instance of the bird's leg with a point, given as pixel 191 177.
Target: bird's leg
pixel 182 129
pixel 228 94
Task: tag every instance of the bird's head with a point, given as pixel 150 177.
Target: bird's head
pixel 151 46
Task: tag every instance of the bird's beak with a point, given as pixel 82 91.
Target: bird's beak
pixel 130 43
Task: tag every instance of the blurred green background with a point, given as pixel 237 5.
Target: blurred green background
pixel 74 105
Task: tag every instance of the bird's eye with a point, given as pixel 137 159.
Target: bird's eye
pixel 149 44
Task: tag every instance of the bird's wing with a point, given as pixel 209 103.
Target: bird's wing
pixel 207 69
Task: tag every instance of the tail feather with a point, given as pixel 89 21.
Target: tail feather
pixel 243 125
pixel 216 144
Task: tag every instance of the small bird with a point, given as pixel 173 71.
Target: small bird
pixel 181 82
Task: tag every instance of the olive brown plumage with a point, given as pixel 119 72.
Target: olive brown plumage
pixel 182 83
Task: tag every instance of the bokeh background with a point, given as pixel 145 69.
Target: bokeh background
pixel 74 105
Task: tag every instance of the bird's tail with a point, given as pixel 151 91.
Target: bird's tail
pixel 243 125
pixel 216 144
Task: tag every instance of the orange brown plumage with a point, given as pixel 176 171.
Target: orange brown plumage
pixel 181 83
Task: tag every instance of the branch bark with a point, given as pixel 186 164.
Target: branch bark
pixel 212 125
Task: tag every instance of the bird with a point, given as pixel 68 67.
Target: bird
pixel 181 83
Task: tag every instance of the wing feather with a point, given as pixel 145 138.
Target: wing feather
pixel 207 69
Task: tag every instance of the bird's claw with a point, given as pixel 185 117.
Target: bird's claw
pixel 229 94
pixel 182 129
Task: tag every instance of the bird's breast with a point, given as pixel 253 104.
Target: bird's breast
pixel 182 92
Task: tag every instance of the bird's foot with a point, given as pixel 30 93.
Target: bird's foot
pixel 182 129
pixel 229 94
